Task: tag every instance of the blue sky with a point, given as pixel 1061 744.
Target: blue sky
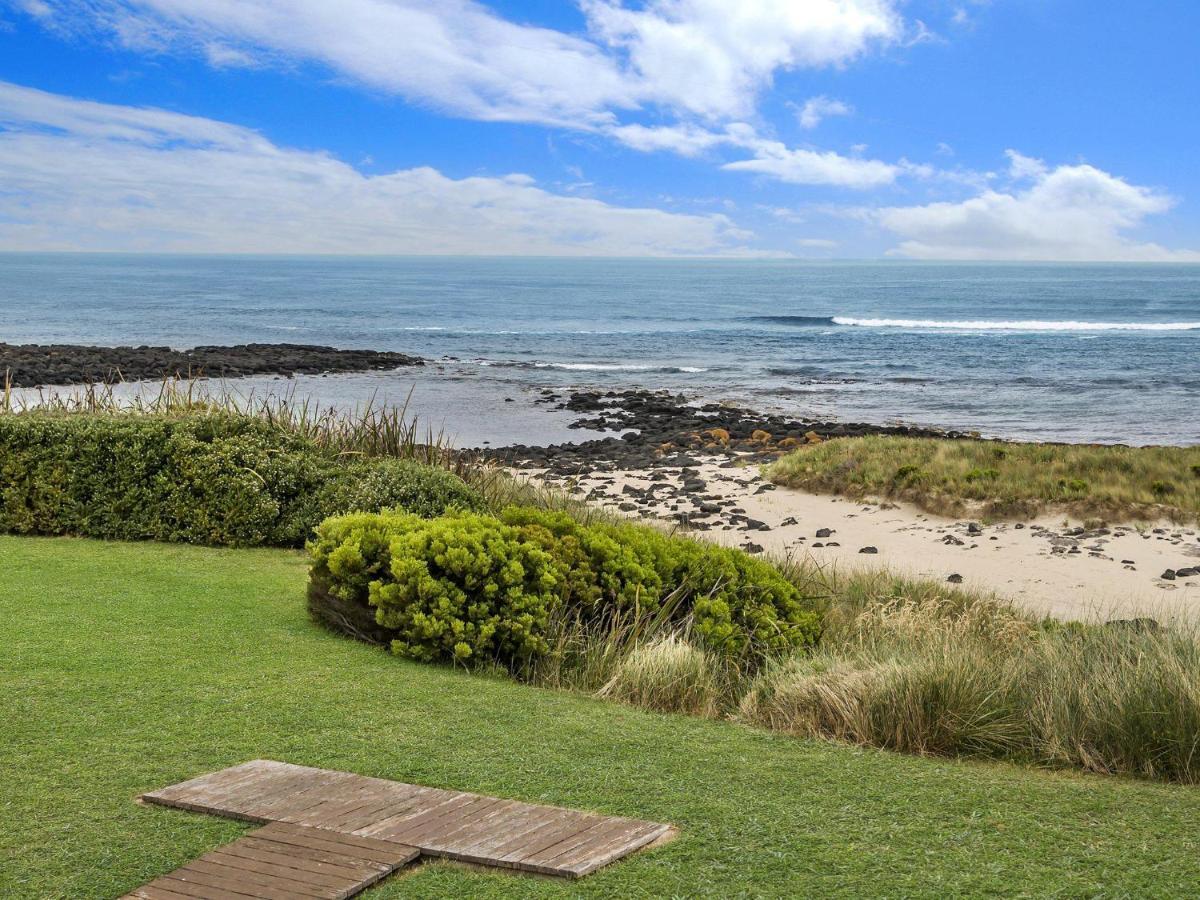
pixel 949 129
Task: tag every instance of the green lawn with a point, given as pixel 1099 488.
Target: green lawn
pixel 129 667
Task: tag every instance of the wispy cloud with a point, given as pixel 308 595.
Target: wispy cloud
pixel 817 109
pixel 80 175
pixel 665 75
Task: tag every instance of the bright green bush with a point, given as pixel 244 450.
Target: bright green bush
pixel 470 586
pixel 737 604
pixel 213 478
pixel 461 587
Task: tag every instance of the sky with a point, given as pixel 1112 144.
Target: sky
pixel 915 129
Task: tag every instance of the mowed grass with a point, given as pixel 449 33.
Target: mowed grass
pixel 129 667
pixel 1000 480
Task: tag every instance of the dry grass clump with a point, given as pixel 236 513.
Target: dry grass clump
pixel 668 675
pixel 1002 480
pixel 942 677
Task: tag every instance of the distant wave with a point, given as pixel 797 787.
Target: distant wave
pixel 615 367
pixel 797 321
pixel 591 367
pixel 1022 325
pixel 971 324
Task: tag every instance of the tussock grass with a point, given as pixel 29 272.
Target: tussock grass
pixel 668 675
pixel 940 676
pixel 1002 480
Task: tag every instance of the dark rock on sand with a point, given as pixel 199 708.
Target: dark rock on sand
pixel 663 430
pixel 32 365
pixel 955 579
pixel 869 550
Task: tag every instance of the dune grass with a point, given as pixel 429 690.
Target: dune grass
pixel 996 479
pixel 939 676
pixel 128 667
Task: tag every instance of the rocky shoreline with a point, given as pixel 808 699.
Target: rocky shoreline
pixel 658 429
pixel 35 365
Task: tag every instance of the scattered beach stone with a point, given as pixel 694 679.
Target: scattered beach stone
pixel 1168 575
pixel 955 579
pixel 824 532
pixel 869 550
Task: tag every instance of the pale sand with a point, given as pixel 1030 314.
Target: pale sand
pixel 1093 582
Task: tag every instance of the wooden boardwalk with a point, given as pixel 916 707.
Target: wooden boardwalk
pixel 322 805
pixel 283 861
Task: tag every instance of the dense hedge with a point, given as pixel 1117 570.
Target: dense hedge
pixel 469 586
pixel 207 479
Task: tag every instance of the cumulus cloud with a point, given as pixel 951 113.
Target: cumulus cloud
pixel 698 66
pixel 712 57
pixel 817 109
pixel 79 175
pixel 800 166
pixel 1065 213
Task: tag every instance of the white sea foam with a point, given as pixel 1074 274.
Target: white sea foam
pixel 1022 325
pixel 615 367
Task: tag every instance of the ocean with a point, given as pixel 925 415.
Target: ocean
pixel 1067 352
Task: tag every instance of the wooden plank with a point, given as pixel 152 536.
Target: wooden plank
pixel 551 833
pixel 429 834
pixel 312 815
pixel 479 825
pixel 408 823
pixel 520 823
pixel 382 854
pixel 296 888
pixel 315 871
pixel 601 853
pixel 330 857
pixel 217 878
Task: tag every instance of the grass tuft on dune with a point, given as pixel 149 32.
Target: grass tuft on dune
pixel 1000 480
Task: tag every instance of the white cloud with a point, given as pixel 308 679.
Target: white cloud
pixel 712 57
pixel 817 109
pixel 1067 213
pixel 1022 167
pixel 686 140
pixel 818 243
pixel 80 175
pixel 697 65
pixel 799 166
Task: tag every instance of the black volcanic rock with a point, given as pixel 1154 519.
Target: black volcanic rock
pixel 32 365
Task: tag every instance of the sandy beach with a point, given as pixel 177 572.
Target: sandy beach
pixel 1050 565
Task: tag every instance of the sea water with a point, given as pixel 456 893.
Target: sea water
pixel 1044 351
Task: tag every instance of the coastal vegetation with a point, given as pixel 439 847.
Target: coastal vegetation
pixel 997 479
pixel 205 477
pixel 130 666
pixel 468 586
pixel 446 559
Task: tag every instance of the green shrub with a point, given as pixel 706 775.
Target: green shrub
pixel 212 478
pixel 1162 488
pixel 982 475
pixel 461 587
pixel 1072 486
pixel 734 604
